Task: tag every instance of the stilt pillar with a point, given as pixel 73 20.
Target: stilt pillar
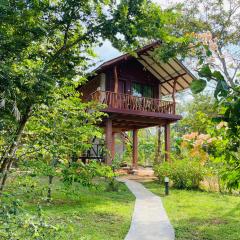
pixel 167 142
pixel 108 140
pixel 113 145
pixel 135 148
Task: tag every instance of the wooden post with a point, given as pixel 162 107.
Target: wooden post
pixel 113 145
pixel 115 80
pixel 159 145
pixel 173 95
pixel 160 91
pixel 167 142
pixel 108 139
pixel 135 148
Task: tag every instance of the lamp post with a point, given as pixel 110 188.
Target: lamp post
pixel 166 182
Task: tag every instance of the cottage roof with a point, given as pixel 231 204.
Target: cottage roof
pixel 166 72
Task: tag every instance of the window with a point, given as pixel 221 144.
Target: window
pixel 148 91
pixel 141 90
pixel 137 90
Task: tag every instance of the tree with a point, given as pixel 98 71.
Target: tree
pixel 198 114
pixel 222 20
pixel 58 134
pixel 215 45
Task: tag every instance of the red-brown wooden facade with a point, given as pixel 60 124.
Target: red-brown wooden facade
pixel 123 83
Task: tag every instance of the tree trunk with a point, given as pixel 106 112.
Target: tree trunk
pixel 159 145
pixel 5 175
pixel 8 159
pixel 49 194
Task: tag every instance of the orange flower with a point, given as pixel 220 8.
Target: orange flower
pixel 221 125
pixel 198 142
pixel 190 136
pixel 204 137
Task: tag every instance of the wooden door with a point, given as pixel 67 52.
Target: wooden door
pixel 121 86
pixel 121 97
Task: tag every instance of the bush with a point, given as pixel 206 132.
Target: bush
pixel 15 223
pixel 184 174
pixel 162 170
pixel 85 174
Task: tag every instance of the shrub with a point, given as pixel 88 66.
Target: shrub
pixel 112 185
pixel 85 174
pixel 18 224
pixel 187 174
pixel 162 170
pixel 184 174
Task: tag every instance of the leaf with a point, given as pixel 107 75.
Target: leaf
pixel 218 75
pixel 205 72
pixel 221 89
pixel 208 53
pixel 198 86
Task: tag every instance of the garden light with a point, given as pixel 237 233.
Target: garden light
pixel 166 182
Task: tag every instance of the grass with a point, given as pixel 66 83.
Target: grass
pixel 87 214
pixel 199 215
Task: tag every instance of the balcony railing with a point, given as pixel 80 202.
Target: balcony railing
pixel 128 102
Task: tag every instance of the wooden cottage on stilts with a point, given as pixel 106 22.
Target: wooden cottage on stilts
pixel 132 87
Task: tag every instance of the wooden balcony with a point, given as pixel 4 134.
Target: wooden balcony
pixel 118 102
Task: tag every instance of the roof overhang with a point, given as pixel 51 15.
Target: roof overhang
pixel 170 74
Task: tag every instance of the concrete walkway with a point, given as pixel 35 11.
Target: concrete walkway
pixel 149 220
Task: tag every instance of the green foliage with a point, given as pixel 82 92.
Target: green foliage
pixel 63 129
pixel 162 170
pixel 82 213
pixel 202 115
pixel 58 134
pixel 205 72
pixel 113 185
pixel 224 153
pixel 146 147
pixel 231 110
pixel 85 174
pixel 18 224
pixel 187 174
pixel 213 50
pixel 198 114
pixel 117 162
pixel 184 173
pixel 198 86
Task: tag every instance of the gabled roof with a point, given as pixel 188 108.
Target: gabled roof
pixel 166 72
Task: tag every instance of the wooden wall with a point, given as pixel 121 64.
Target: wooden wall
pixel 129 71
pixel 90 87
pixel 132 71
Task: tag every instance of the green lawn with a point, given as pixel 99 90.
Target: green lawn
pixel 88 214
pixel 201 215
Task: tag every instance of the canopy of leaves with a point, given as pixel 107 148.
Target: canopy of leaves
pixel 197 114
pixel 60 132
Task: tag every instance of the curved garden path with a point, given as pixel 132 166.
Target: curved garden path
pixel 149 220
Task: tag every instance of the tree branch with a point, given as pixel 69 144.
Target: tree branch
pixel 225 70
pixel 66 47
